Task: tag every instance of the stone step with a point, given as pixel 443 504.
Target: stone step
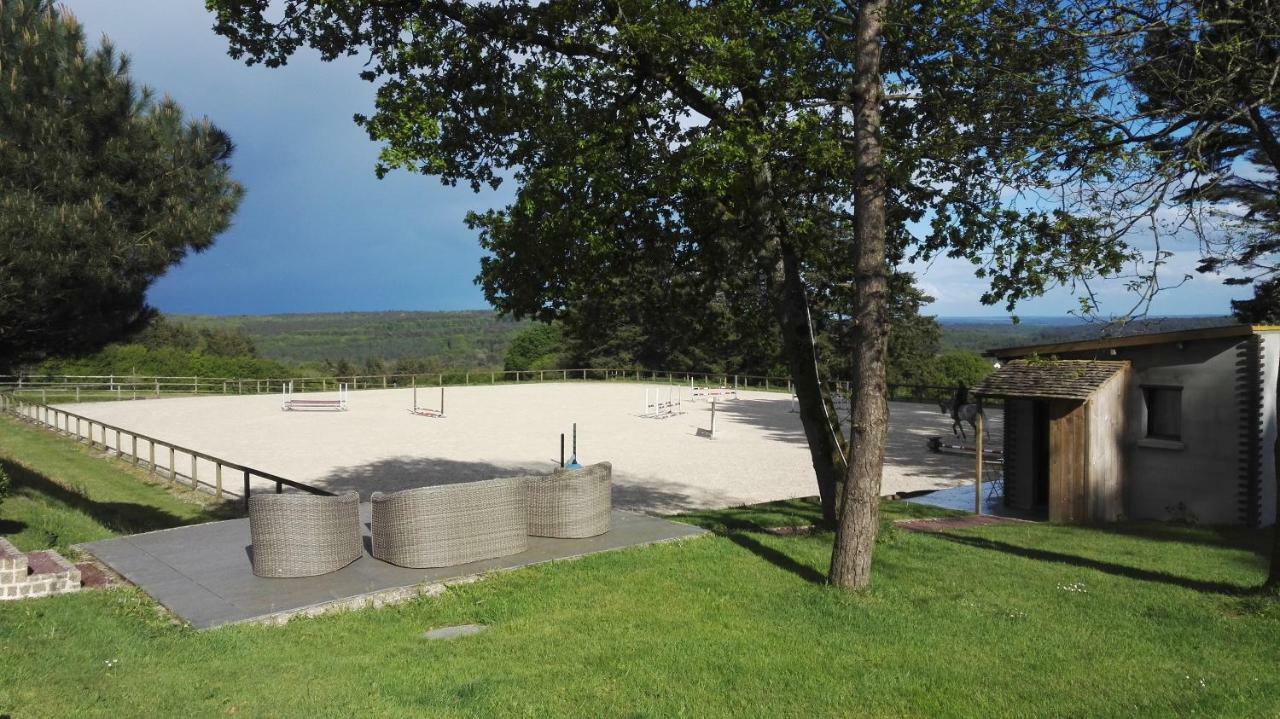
pixel 35 574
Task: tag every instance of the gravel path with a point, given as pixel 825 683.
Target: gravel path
pixel 660 465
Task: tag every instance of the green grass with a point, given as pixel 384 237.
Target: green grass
pixel 63 494
pixel 1011 620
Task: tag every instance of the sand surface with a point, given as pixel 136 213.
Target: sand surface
pixel 660 465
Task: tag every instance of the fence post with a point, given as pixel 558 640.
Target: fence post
pixel 194 484
pixel 173 470
pixel 118 452
pixel 151 454
pixel 217 478
pixel 196 384
pixel 246 490
pixel 135 450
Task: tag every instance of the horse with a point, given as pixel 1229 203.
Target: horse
pixel 966 413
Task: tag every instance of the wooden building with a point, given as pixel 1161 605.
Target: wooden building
pixel 1171 426
pixel 1064 428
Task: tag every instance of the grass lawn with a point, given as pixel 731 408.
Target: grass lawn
pixel 1011 620
pixel 63 494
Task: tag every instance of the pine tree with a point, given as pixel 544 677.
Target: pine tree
pixel 102 188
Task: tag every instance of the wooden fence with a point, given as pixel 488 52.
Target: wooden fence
pixel 64 388
pixel 60 420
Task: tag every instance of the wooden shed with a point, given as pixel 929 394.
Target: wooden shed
pixel 1064 432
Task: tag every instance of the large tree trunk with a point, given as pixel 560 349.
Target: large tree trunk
pixel 798 345
pixel 860 516
pixel 790 305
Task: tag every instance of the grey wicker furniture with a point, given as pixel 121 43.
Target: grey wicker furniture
pixel 450 524
pixel 304 535
pixel 571 503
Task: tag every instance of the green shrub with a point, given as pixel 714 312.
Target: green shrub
pixel 5 485
pixel 538 347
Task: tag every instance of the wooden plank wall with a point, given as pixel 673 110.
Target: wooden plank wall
pixel 1105 471
pixel 1068 461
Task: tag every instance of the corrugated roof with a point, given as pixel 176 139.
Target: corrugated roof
pixel 1049 379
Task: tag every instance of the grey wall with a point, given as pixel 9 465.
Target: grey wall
pixel 1198 479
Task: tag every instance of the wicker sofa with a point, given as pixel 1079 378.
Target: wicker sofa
pixel 571 503
pixel 450 524
pixel 304 535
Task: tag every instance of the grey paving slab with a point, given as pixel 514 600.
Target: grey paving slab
pixel 203 573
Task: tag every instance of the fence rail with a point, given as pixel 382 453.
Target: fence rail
pixel 60 421
pixel 120 387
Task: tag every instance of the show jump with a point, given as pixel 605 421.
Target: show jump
pixel 288 403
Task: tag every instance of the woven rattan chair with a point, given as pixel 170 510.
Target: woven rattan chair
pixel 303 535
pixel 450 524
pixel 571 503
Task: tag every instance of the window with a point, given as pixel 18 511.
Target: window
pixel 1164 412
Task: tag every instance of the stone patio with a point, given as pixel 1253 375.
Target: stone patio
pixel 202 573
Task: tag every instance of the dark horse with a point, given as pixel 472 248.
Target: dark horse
pixel 964 413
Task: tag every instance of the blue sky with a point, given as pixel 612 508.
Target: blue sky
pixel 317 232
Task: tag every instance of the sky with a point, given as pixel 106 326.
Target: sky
pixel 318 232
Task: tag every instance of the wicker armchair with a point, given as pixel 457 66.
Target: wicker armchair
pixel 450 524
pixel 303 535
pixel 571 503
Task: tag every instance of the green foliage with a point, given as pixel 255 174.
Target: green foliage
pixel 406 342
pixel 136 359
pixel 5 485
pixel 172 349
pixel 540 346
pixel 1263 307
pixel 952 368
pixel 1196 94
pixel 102 188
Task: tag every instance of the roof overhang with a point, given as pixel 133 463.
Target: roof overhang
pixel 1154 338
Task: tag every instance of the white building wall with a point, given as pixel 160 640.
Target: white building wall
pixel 1271 379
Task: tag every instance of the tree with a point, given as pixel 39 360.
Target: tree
pixel 751 143
pixel 1196 97
pixel 951 368
pixel 102 188
pixel 1263 307
pixel 537 347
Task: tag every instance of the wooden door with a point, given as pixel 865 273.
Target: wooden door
pixel 1068 462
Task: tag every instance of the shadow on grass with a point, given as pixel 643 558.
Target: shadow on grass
pixel 758 517
pixel 8 526
pixel 1119 570
pixel 1257 541
pixel 777 558
pixel 123 517
pixel 737 524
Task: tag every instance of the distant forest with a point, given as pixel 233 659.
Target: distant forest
pixel 377 343
pixel 979 335
pixel 469 339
